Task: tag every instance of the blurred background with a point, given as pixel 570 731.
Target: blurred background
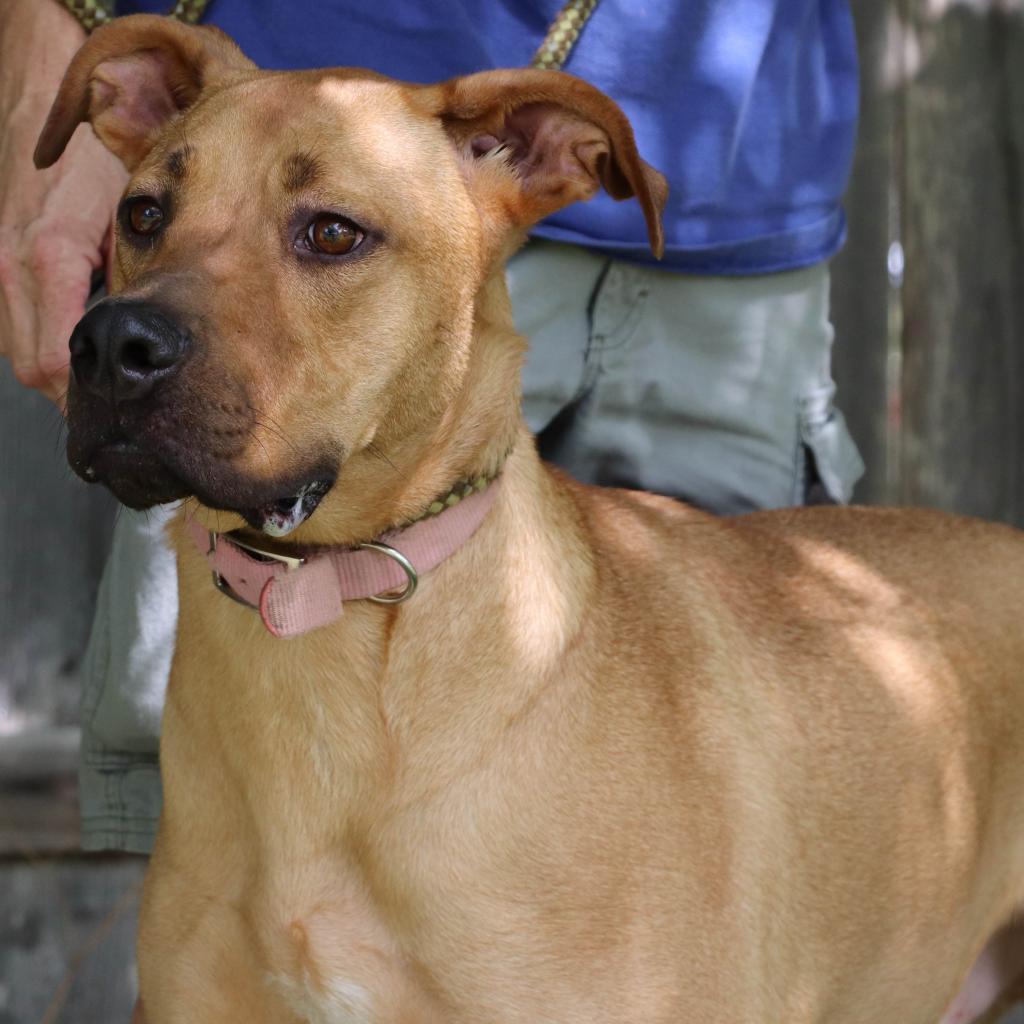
pixel 928 303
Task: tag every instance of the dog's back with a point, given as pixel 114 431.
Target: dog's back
pixel 850 686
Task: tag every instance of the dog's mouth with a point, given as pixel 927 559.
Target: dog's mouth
pixel 281 516
pixel 140 479
pixel 135 477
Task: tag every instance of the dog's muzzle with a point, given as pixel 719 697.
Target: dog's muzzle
pixel 122 351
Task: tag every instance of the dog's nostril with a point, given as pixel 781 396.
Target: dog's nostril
pixel 84 357
pixel 144 357
pixel 83 348
pixel 137 357
pixel 123 350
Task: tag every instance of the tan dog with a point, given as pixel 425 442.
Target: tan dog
pixel 617 760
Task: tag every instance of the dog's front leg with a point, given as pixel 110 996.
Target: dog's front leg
pixel 211 960
pixel 198 963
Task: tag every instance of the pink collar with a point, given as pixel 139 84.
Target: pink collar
pixel 295 594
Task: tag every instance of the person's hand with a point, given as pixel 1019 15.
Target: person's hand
pixel 53 223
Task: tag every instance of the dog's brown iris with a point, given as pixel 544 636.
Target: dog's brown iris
pixel 333 235
pixel 145 216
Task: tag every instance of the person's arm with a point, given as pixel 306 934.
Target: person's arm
pixel 53 223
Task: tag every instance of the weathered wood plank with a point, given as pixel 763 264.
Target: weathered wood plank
pixel 963 443
pixel 39 793
pixel 67 939
pixel 39 754
pixel 861 294
pixel 54 535
pixel 39 818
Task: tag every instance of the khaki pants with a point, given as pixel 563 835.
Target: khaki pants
pixel 717 390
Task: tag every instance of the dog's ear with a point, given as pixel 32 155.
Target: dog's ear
pixel 558 138
pixel 130 77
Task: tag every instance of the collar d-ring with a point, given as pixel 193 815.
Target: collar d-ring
pixel 410 572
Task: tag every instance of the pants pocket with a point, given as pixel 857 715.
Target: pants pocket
pixel 832 461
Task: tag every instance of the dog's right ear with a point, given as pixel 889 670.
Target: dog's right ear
pixel 534 141
pixel 130 77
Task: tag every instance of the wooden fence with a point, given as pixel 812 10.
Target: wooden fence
pixel 928 302
pixel 929 294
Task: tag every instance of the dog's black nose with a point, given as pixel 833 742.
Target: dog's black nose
pixel 122 350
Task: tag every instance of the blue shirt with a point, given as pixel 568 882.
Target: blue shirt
pixel 748 107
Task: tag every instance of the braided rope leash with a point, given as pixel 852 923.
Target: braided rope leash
pixel 565 30
pixel 552 53
pixel 189 11
pixel 90 14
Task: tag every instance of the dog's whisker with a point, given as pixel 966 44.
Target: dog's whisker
pixel 263 447
pixel 59 371
pixel 378 454
pixel 275 428
pixel 187 509
pixel 58 426
pixel 276 433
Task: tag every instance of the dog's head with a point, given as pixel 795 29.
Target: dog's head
pixel 300 260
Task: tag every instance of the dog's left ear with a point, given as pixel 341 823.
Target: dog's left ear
pixel 557 138
pixel 130 78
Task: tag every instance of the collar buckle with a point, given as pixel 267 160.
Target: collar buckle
pixel 290 562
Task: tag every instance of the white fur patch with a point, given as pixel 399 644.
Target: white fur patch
pixel 338 1002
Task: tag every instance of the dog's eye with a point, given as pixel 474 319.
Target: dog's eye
pixel 333 235
pixel 145 216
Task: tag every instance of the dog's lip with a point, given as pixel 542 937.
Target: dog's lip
pixel 281 516
pixel 118 446
pixel 114 455
pixel 137 477
pixel 143 471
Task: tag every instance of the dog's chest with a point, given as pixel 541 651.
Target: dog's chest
pixel 327 1001
pixel 343 935
pixel 330 956
pixel 350 943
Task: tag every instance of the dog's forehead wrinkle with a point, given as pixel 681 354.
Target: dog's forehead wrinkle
pixel 357 144
pixel 348 93
pixel 375 118
pixel 250 112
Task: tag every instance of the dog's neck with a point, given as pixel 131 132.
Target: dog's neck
pixel 482 423
pixel 486 420
pixel 517 592
pixel 392 483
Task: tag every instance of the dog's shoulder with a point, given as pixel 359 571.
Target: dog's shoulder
pixel 795 564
